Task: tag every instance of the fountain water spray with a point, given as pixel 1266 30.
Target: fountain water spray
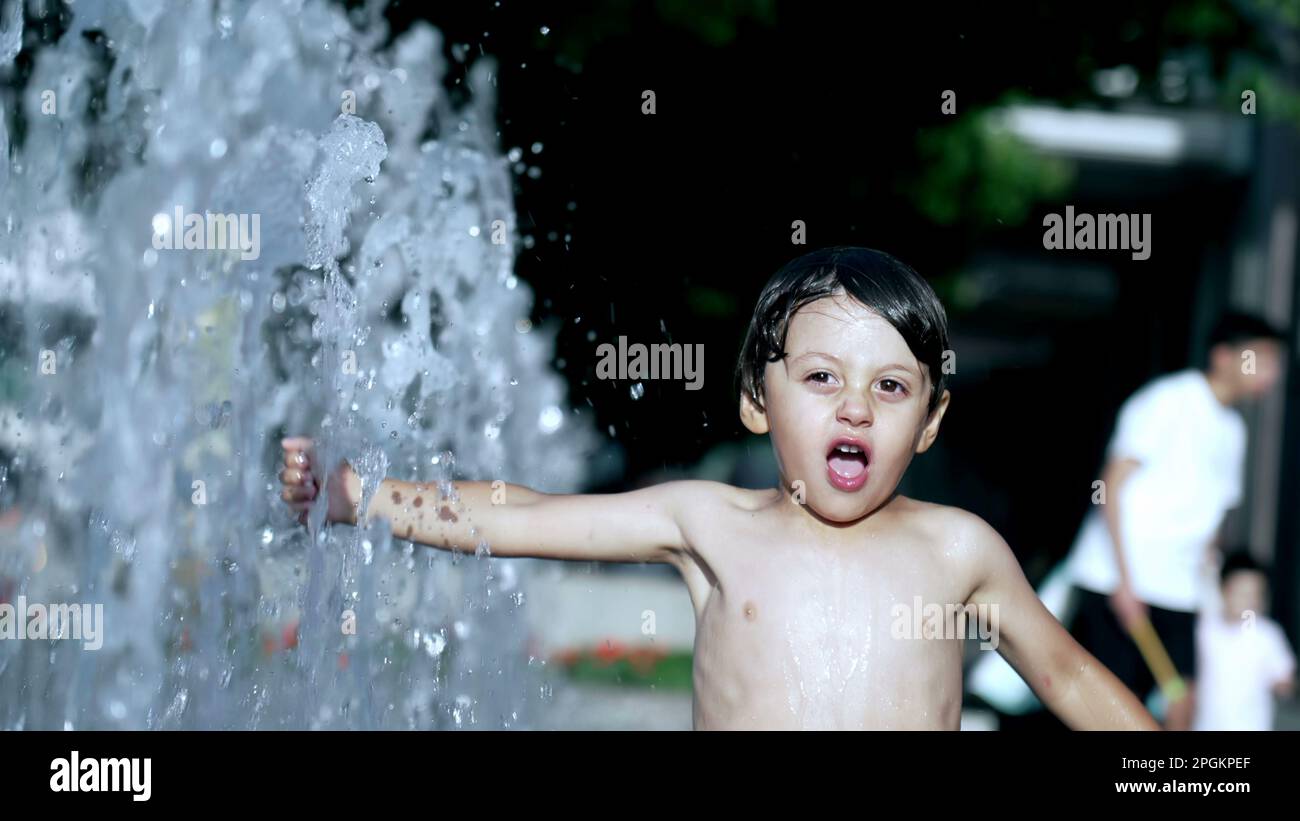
pixel 146 384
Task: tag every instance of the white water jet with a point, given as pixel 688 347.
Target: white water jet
pixel 143 392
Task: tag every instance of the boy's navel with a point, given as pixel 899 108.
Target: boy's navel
pixel 750 611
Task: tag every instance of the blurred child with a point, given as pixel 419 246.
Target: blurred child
pixel 1244 658
pixel 800 592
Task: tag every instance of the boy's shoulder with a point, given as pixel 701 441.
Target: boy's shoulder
pixel 947 524
pixel 971 548
pixel 703 493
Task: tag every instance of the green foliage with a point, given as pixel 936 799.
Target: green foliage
pixel 976 173
pixel 1275 101
pixel 1288 11
pixel 716 22
pixel 672 671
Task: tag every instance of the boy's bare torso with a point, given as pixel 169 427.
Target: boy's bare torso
pixel 794 619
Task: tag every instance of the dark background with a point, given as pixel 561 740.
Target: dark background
pixel 664 227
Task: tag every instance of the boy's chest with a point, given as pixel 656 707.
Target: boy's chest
pixel 802 594
pixel 830 641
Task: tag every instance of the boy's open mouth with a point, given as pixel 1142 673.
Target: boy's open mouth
pixel 846 463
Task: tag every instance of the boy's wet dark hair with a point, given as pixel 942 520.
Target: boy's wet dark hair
pixel 873 278
pixel 1239 560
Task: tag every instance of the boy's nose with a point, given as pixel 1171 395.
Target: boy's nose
pixel 855 411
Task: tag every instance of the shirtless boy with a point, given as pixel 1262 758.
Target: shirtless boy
pixel 801 593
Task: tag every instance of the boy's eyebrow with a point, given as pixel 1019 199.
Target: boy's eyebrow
pixel 894 366
pixel 809 354
pixel 901 367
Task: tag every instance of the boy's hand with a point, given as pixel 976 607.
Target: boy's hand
pixel 302 481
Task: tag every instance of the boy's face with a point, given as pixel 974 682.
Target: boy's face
pixel 1242 591
pixel 846 408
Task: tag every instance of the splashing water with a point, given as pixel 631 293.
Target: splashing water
pixel 367 299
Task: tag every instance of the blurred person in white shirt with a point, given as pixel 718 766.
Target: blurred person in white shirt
pixel 1173 469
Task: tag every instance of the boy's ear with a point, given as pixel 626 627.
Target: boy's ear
pixel 754 419
pixel 931 429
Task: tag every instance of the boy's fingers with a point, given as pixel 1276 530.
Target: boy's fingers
pixel 296 476
pixel 300 486
pixel 298 494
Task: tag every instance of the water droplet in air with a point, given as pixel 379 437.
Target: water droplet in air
pixel 550 420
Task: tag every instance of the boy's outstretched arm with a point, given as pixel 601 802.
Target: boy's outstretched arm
pixel 1069 681
pixel 639 526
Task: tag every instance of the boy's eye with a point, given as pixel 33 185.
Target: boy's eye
pixel 892 386
pixel 820 377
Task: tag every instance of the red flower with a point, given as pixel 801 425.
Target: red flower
pixel 609 652
pixel 289 638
